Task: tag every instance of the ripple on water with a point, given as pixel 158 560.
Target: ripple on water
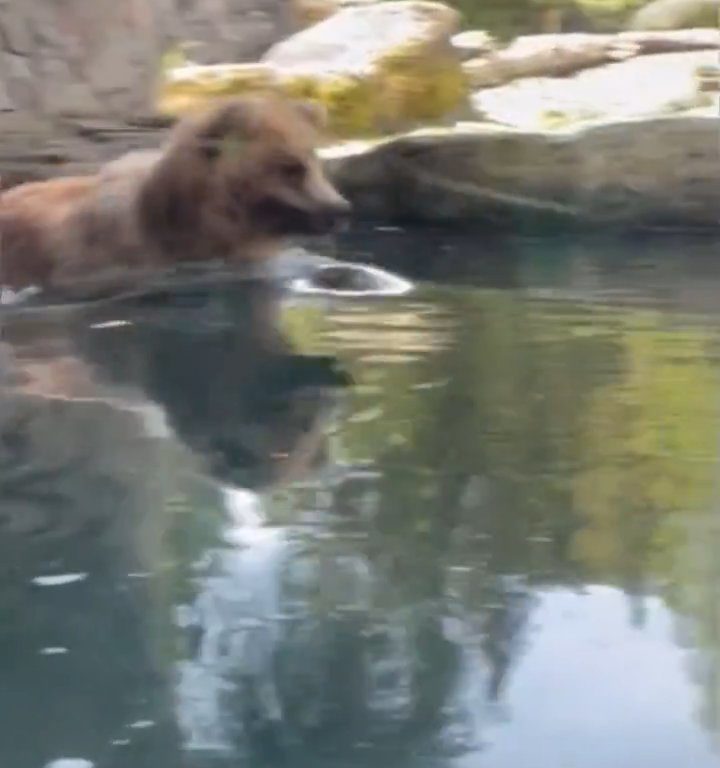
pixel 59 580
pixel 70 762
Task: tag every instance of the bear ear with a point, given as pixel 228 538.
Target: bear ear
pixel 226 129
pixel 313 111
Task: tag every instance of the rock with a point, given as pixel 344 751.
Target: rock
pixel 473 43
pixel 305 13
pixel 643 87
pixel 96 58
pixel 309 12
pixel 189 87
pixel 376 67
pixel 708 78
pixel 232 30
pixel 676 14
pixel 307 273
pixel 561 55
pixel 657 171
pixel 547 55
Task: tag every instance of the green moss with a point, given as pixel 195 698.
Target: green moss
pixel 350 103
pixel 415 87
pixel 180 95
pixel 408 86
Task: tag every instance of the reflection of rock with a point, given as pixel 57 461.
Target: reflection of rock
pixel 89 410
pixel 375 67
pixel 84 477
pixel 69 454
pixel 232 390
pixel 632 174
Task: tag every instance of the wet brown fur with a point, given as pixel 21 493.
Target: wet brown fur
pixel 230 184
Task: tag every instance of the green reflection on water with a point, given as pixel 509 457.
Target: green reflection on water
pixel 525 444
pixel 499 455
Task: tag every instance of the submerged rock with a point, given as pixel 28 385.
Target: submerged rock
pixel 656 171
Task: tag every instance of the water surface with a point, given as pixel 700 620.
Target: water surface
pixel 497 548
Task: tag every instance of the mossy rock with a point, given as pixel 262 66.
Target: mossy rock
pixel 376 68
pixel 189 87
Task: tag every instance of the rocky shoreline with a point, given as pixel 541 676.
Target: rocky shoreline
pixel 616 130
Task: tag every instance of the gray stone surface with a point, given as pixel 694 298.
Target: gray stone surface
pixel 222 31
pixel 657 171
pixel 646 86
pixel 80 57
pixel 102 58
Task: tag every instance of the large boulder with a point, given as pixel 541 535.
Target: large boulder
pixel 640 87
pixel 377 67
pixel 635 173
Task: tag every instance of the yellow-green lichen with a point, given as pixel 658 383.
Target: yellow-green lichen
pixel 409 85
pixel 188 89
pixel 350 104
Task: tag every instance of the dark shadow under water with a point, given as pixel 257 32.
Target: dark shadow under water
pixel 471 527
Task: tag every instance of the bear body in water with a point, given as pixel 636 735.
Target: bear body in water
pixel 230 185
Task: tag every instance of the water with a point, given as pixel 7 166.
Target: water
pixel 497 548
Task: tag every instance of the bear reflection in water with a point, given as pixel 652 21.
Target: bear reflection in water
pixel 131 438
pixel 113 421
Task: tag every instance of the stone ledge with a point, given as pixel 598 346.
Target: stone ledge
pixel 632 173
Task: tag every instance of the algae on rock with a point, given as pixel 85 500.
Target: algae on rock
pixel 376 68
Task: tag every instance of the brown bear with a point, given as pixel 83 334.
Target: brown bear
pixel 230 185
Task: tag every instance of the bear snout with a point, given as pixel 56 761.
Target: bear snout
pixel 334 215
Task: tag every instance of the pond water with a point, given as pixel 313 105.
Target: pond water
pixel 495 547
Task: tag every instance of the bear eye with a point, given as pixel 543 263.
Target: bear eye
pixel 292 170
pixel 210 149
